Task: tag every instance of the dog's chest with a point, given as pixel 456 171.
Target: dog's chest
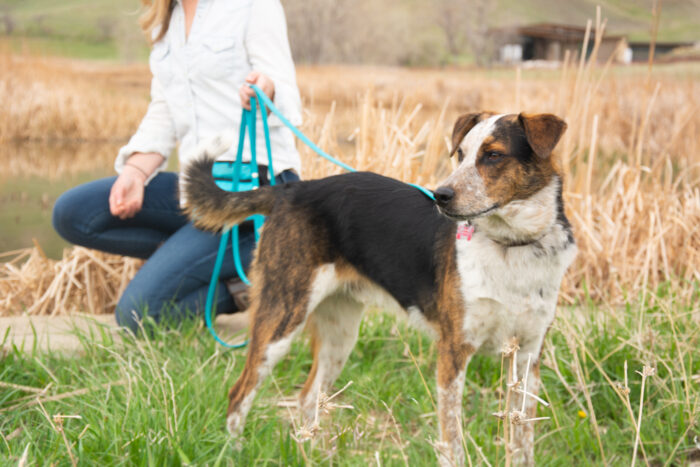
pixel 508 292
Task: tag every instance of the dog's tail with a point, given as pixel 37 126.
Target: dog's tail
pixel 211 208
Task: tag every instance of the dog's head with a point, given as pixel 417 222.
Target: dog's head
pixel 502 158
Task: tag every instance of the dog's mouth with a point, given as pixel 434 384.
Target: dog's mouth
pixel 470 216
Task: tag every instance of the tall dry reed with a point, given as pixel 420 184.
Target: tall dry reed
pixel 631 155
pixel 49 99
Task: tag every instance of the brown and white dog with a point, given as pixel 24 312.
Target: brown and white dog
pixel 481 265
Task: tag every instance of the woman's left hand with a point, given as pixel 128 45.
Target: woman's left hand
pixel 263 82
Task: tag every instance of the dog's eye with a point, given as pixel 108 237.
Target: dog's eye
pixel 460 154
pixel 494 156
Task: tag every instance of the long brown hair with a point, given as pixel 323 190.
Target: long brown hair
pixel 156 14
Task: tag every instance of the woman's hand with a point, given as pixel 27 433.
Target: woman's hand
pixel 126 196
pixel 263 82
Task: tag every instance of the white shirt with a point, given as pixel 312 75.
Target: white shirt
pixel 194 90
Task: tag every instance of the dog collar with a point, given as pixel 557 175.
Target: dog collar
pixel 465 232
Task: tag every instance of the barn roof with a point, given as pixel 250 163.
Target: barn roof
pixel 553 31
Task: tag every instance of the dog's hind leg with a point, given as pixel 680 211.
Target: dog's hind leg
pixel 333 326
pixel 279 311
pixel 269 343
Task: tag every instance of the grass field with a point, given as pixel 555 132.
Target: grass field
pixel 161 401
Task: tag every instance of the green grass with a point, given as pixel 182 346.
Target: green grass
pixel 65 47
pixel 88 20
pixel 95 29
pixel 166 403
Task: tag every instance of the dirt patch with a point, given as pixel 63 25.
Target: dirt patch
pixel 61 333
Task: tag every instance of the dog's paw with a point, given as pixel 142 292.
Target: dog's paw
pixel 234 424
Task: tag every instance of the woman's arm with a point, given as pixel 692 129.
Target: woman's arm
pixel 143 157
pixel 269 54
pixel 156 134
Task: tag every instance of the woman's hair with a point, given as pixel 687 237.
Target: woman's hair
pixel 156 17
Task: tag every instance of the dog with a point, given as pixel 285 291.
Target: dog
pixel 480 265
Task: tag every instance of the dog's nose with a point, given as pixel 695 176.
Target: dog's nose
pixel 444 195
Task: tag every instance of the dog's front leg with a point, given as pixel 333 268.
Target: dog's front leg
pixel 523 442
pixel 453 356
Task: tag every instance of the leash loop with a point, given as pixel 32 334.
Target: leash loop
pixel 230 179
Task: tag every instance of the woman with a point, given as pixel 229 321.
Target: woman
pixel 204 51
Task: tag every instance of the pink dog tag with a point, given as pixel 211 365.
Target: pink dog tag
pixel 465 231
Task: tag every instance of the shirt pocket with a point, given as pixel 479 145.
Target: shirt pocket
pixel 222 57
pixel 161 64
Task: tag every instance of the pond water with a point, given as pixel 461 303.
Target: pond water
pixel 32 176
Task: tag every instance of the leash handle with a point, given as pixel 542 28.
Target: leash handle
pixel 248 121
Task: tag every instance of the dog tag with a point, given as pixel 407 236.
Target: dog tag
pixel 465 231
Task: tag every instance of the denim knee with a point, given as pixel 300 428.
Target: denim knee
pixel 75 210
pixel 127 314
pixel 63 217
pixel 126 318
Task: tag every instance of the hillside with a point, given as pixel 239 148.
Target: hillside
pixel 680 19
pixel 107 29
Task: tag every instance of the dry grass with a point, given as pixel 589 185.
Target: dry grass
pixel 83 281
pixel 57 99
pixel 631 156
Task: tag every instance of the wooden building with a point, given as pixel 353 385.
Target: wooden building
pixel 549 42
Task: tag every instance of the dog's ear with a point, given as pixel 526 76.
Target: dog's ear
pixel 462 126
pixel 543 132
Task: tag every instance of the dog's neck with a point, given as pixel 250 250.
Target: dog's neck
pixel 526 221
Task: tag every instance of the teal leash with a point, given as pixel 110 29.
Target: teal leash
pixel 248 122
pixel 267 102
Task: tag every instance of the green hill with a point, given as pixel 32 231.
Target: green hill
pixel 680 19
pixel 107 29
pixel 81 28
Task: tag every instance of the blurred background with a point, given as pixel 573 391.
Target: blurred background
pixel 383 32
pixel 381 82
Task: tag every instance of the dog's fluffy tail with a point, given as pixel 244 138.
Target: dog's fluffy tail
pixel 212 208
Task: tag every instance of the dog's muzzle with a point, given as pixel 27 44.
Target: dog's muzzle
pixel 443 196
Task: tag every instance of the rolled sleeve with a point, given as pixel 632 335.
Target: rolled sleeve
pixel 269 52
pixel 156 133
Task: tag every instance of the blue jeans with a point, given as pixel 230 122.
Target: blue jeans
pixel 173 282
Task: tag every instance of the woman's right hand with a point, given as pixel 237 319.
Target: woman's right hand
pixel 126 196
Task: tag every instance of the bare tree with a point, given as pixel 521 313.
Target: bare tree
pixel 127 38
pixel 310 25
pixel 42 28
pixel 106 26
pixel 464 24
pixel 8 20
pixel 386 31
pixel 477 31
pixel 452 16
pixel 348 31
